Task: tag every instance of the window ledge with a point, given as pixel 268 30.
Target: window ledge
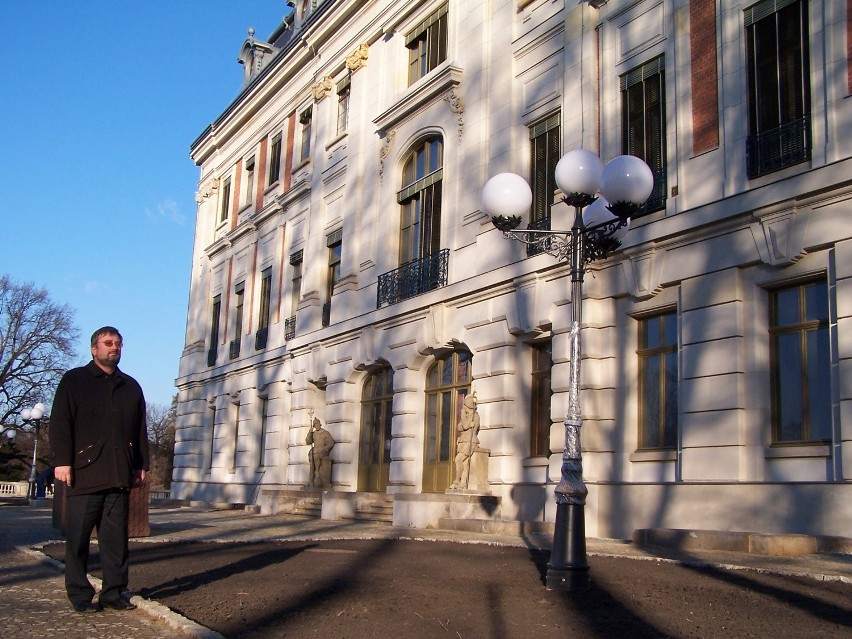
pixel 661 455
pixel 419 94
pixel 336 139
pixel 798 451
pixel 536 462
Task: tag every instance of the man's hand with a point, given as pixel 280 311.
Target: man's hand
pixel 63 474
pixel 139 479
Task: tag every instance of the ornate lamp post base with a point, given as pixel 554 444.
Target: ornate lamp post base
pixel 567 569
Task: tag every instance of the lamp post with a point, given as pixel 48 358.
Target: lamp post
pixel 34 416
pixel 624 185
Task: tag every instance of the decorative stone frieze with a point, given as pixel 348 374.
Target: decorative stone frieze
pixel 780 235
pixel 358 58
pixel 456 103
pixel 385 149
pixel 206 190
pixel 322 88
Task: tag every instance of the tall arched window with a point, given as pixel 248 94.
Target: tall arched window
pixel 447 384
pixel 420 201
pixel 376 415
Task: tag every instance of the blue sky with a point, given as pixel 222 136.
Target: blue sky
pixel 101 101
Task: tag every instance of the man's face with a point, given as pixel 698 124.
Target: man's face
pixel 107 350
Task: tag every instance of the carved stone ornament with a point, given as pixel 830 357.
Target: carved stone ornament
pixel 322 88
pixel 780 235
pixel 456 103
pixel 206 190
pixel 385 149
pixel 358 58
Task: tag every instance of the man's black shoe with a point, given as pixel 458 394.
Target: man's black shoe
pixel 87 606
pixel 118 604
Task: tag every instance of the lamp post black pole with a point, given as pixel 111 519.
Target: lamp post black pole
pixel 568 568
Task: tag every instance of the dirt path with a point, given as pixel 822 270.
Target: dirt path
pixel 422 589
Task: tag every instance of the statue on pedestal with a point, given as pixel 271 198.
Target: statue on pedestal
pixel 467 443
pixel 321 443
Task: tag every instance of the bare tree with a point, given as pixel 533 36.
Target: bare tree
pixel 36 344
pixel 161 436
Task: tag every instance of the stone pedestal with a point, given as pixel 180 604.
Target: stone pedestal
pixel 477 481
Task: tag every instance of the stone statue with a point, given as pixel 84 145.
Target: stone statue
pixel 467 443
pixel 321 443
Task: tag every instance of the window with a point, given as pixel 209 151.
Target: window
pixel 800 363
pixel 211 444
pixel 376 416
pixel 264 423
pixel 295 293
pixel 544 154
pixel 274 160
pixel 343 104
pixel 540 394
pixel 427 45
pixel 262 334
pixel 658 379
pixel 335 250
pixel 214 331
pixel 226 199
pixel 447 384
pixel 233 468
pixel 423 264
pixel 249 180
pixel 239 292
pixel 305 120
pixel 420 199
pixel 643 127
pixel 778 85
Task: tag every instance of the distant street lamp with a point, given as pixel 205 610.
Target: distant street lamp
pixel 34 416
pixel 624 185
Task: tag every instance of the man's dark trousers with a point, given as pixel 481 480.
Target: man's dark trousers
pixel 108 511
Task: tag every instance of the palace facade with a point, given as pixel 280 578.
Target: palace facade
pixel 343 268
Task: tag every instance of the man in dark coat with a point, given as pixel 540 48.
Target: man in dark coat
pixel 100 445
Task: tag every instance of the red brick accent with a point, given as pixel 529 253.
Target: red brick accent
pixel 260 175
pixel 849 44
pixel 288 158
pixel 235 194
pixel 705 75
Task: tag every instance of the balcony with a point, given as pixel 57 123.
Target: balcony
pixel 211 356
pixel 326 314
pixel 290 328
pixel 415 278
pixel 260 338
pixel 779 148
pixel 234 349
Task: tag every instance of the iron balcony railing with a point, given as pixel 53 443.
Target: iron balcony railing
pixel 260 338
pixel 290 327
pixel 779 148
pixel 412 279
pixel 234 349
pixel 326 314
pixel 211 356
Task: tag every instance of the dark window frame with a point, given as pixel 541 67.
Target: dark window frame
pixel 643 123
pixel 658 354
pixel 778 74
pixel 806 343
pixel 427 45
pixel 541 392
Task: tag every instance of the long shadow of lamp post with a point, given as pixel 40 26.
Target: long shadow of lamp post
pixel 34 416
pixel 624 185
